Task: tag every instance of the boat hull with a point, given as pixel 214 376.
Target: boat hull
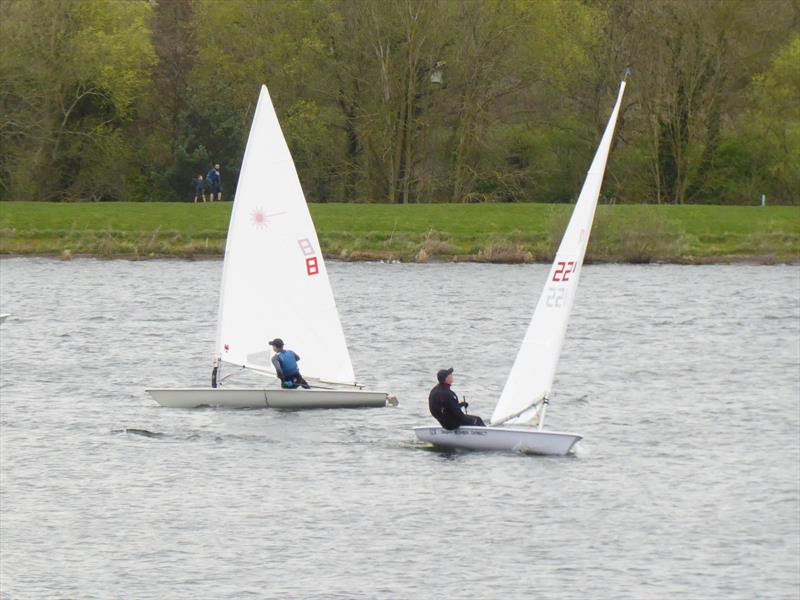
pixel 505 439
pixel 268 398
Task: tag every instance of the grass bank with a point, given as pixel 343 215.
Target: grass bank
pixel 484 232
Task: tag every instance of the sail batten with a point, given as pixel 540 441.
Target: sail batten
pixel 274 279
pixel 534 368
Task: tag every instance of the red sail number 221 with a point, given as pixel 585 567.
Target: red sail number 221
pixel 563 270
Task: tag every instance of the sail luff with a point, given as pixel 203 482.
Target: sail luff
pixel 534 368
pixel 233 219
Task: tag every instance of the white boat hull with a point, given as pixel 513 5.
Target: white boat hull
pixel 3 317
pixel 269 398
pixel 508 439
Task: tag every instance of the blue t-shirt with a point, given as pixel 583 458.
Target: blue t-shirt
pixel 213 176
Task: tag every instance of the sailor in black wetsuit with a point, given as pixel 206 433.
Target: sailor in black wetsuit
pixel 445 407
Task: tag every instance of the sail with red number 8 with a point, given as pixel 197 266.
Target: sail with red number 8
pixel 275 285
pixel 274 280
pixel 525 394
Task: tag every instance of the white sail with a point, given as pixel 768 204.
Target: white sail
pixel 274 280
pixel 532 375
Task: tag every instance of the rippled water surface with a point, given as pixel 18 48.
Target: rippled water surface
pixel 683 380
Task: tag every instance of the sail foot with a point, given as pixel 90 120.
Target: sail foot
pixel 532 416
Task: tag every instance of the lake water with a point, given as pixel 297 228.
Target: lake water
pixel 685 382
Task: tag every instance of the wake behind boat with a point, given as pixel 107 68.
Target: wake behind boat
pixel 275 283
pixel 518 419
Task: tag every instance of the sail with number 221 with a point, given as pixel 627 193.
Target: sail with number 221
pixel 518 419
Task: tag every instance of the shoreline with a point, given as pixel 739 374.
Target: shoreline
pixel 762 261
pixel 417 233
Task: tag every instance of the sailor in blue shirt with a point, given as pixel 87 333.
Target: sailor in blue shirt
pixel 286 368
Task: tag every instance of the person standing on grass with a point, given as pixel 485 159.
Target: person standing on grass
pixel 216 183
pixel 199 189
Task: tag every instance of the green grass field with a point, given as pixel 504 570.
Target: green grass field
pixel 482 232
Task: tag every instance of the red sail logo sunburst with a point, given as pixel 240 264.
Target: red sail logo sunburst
pixel 259 218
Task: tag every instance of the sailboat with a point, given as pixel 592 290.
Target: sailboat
pixel 275 284
pixel 517 423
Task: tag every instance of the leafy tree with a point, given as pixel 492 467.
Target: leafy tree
pixel 403 101
pixel 245 44
pixel 73 73
pixel 692 61
pixel 776 113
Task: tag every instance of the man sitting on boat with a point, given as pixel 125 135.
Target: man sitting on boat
pixel 445 407
pixel 285 363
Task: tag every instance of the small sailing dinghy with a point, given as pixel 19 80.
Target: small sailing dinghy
pixel 518 419
pixel 4 316
pixel 275 284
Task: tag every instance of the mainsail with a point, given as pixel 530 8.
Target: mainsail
pixel 274 280
pixel 532 375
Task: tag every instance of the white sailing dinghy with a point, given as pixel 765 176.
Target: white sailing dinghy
pixel 518 419
pixel 4 316
pixel 275 284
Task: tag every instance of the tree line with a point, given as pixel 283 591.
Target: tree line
pixel 403 101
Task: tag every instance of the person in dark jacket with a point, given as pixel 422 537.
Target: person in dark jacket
pixel 445 407
pixel 214 180
pixel 286 368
